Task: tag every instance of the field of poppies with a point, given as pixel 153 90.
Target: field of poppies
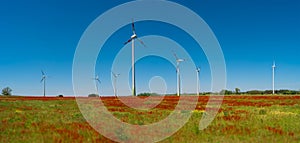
pixel 240 119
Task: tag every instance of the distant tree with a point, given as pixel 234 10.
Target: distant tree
pixel 237 91
pixel 255 92
pixel 6 91
pixel 287 92
pixel 148 94
pixel 60 95
pixel 93 95
pixel 226 92
pixel 269 91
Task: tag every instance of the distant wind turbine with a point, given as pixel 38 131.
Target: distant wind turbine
pixel 115 82
pixel 132 38
pixel 178 61
pixel 273 77
pixel 96 78
pixel 198 80
pixel 44 81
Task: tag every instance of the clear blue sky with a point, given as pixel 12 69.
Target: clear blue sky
pixel 44 34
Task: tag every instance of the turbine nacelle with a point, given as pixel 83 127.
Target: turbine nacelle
pixel 133 36
pixel 97 79
pixel 43 76
pixel 180 60
pixel 115 75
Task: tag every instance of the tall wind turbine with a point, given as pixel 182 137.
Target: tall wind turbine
pixel 178 61
pixel 132 38
pixel 273 77
pixel 198 80
pixel 96 78
pixel 44 81
pixel 115 82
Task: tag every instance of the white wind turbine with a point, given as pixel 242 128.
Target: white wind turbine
pixel 115 82
pixel 44 76
pixel 198 80
pixel 96 78
pixel 132 38
pixel 178 61
pixel 273 77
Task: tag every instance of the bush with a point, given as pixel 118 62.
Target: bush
pixel 60 95
pixel 262 112
pixel 144 94
pixel 6 91
pixel 226 92
pixel 93 95
pixel 255 92
pixel 148 94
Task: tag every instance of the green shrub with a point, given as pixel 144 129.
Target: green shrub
pixel 93 95
pixel 148 94
pixel 6 91
pixel 262 112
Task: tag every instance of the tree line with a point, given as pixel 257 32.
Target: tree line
pixel 260 92
pixel 7 91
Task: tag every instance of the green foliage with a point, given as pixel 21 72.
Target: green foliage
pixel 269 92
pixel 226 92
pixel 6 91
pixel 262 112
pixel 237 91
pixel 259 92
pixel 255 92
pixel 147 94
pixel 93 95
pixel 287 92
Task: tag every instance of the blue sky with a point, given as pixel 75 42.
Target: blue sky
pixel 39 35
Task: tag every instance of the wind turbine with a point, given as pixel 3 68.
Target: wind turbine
pixel 115 82
pixel 198 80
pixel 44 81
pixel 96 78
pixel 132 38
pixel 178 61
pixel 273 77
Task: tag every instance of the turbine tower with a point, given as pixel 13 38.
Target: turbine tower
pixel 44 81
pixel 178 61
pixel 198 80
pixel 273 77
pixel 96 78
pixel 132 38
pixel 115 82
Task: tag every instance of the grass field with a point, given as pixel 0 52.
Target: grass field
pixel 240 119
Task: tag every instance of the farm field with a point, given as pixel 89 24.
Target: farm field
pixel 240 119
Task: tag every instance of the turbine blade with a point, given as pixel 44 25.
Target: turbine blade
pixel 42 79
pixel 128 41
pixel 175 55
pixel 113 73
pixel 132 25
pixel 141 42
pixel 42 72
